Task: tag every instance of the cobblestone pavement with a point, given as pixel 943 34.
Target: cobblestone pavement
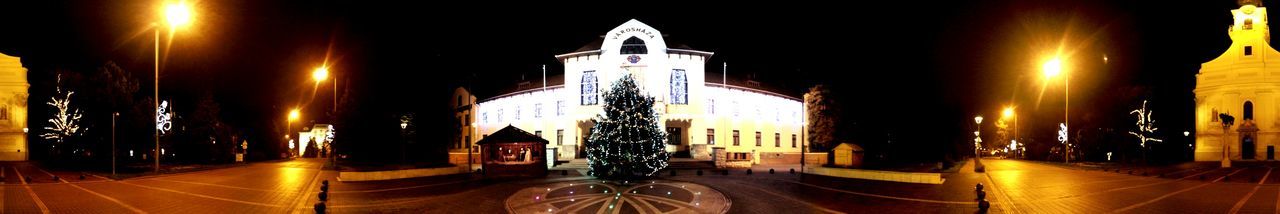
pixel 1013 186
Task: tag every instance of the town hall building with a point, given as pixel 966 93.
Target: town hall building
pixel 703 116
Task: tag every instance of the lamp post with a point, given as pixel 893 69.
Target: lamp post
pixel 176 15
pixel 319 75
pixel 1009 112
pixel 1051 68
pixel 404 139
pixel 293 115
pixel 977 137
pixel 113 143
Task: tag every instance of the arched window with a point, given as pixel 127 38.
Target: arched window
pixel 679 87
pixel 1248 110
pixel 589 88
pixel 634 45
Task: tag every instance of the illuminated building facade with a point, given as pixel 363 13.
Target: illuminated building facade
pixel 700 114
pixel 1240 83
pixel 13 109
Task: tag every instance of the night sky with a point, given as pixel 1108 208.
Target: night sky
pixel 901 68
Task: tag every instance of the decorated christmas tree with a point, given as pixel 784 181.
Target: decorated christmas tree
pixel 626 141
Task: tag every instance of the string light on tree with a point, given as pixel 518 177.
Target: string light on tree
pixel 66 122
pixel 626 141
pixel 1146 126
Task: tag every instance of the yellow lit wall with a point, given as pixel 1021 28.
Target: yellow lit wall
pixel 1239 75
pixel 13 109
pixel 766 112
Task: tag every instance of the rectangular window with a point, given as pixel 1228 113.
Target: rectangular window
pixel 735 138
pixel 777 140
pixel 467 120
pixel 758 143
pixel 500 115
pixel 711 106
pixel 1248 50
pixel 589 88
pixel 537 110
pixel 560 137
pixel 484 117
pixel 517 112
pixel 793 141
pixel 679 87
pixel 560 107
pixel 711 136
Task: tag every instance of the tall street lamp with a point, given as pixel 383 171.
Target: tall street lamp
pixel 1052 68
pixel 320 74
pixel 293 115
pixel 404 139
pixel 176 15
pixel 113 142
pixel 1008 112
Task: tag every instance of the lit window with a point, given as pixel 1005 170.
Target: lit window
pixel 711 136
pixel 484 117
pixel 537 110
pixel 500 115
pixel 560 137
pixel 560 107
pixel 711 106
pixel 634 45
pixel 735 138
pixel 679 87
pixel 589 88
pixel 1248 24
pixel 517 112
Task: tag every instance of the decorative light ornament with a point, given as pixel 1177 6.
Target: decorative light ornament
pixel 163 118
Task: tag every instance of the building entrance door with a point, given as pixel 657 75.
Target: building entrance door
pixel 1247 147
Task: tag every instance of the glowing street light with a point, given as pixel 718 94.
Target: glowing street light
pixel 176 15
pixel 293 115
pixel 320 74
pixel 1052 68
pixel 1008 112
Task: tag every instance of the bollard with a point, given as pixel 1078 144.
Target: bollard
pixel 28 178
pixel 748 171
pixel 325 182
pixel 324 188
pixel 983 205
pixel 673 173
pixel 793 170
pixel 55 178
pixel 699 172
pixel 324 195
pixel 81 177
pixel 982 195
pixel 319 207
pixel 726 172
pixel 771 171
pixel 978 187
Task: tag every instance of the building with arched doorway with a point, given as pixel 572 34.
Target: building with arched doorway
pixel 1242 82
pixel 700 114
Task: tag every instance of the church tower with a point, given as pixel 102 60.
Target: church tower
pixel 1241 83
